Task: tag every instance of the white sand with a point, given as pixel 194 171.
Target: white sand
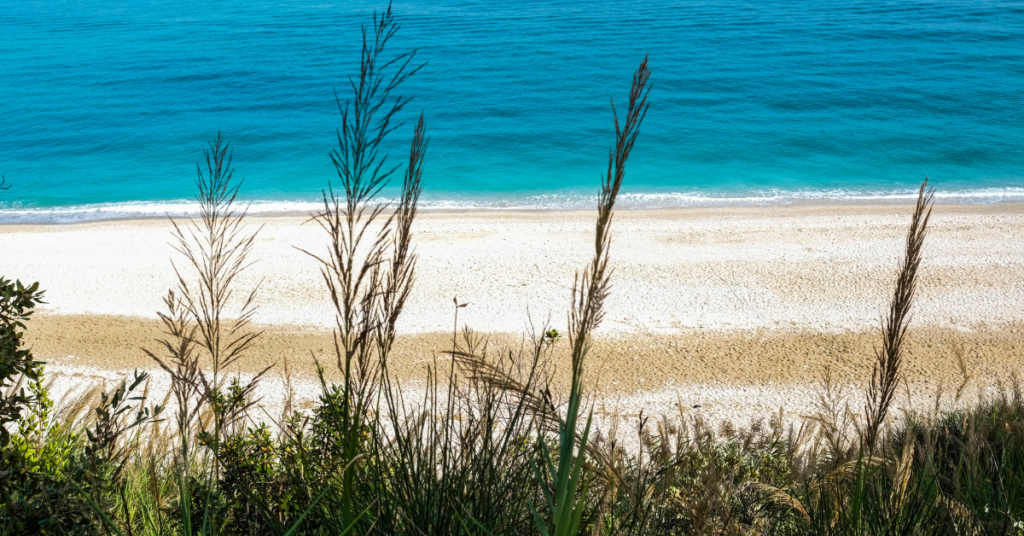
pixel 823 268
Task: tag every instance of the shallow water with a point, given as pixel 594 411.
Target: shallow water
pixel 105 106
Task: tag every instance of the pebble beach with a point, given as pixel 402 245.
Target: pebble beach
pixel 732 312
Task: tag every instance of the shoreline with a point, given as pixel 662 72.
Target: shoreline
pixel 726 205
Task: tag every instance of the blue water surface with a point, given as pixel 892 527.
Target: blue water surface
pixel 105 106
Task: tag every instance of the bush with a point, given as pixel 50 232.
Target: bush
pixel 16 362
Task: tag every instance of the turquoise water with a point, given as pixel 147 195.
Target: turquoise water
pixel 105 106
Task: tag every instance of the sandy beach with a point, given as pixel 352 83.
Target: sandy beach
pixel 737 310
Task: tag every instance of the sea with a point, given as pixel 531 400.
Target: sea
pixel 106 106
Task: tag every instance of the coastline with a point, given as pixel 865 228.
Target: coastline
pixel 728 206
pixel 736 309
pixel 637 201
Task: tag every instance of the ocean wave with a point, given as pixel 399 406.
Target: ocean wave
pixel 135 210
pixel 16 214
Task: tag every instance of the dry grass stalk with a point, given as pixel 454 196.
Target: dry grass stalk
pixel 400 277
pixel 590 291
pixel 369 267
pixel 886 372
pixel 898 495
pixel 366 295
pixel 517 373
pixel 74 409
pixel 198 331
pixel 181 362
pixel 964 367
pixel 566 496
pixel 834 422
pixel 779 498
pixel 218 248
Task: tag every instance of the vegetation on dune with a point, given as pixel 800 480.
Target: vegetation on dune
pixel 487 448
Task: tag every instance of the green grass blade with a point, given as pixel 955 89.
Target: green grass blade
pixel 96 508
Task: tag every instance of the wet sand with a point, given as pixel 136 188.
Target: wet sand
pixel 731 375
pixel 621 364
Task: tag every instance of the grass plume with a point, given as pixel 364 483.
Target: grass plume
pixel 887 369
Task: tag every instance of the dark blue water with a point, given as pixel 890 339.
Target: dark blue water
pixel 105 106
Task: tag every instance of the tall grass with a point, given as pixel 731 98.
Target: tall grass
pixel 368 274
pixel 485 447
pixel 563 478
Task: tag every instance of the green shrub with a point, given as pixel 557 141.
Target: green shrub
pixel 16 362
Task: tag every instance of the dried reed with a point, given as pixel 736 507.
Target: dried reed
pixel 566 492
pixel 886 371
pixel 367 286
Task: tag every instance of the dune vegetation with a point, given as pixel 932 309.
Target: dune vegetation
pixel 488 447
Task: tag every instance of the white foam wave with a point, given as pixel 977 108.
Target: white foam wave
pixel 181 208
pixel 635 200
pixel 136 210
